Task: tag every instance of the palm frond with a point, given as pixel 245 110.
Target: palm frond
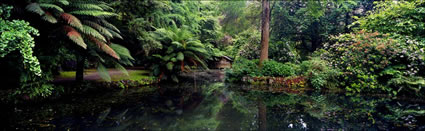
pixel 87 6
pixel 105 32
pixel 51 6
pixel 104 47
pixel 35 8
pixel 92 32
pixel 49 18
pixel 72 20
pixel 95 13
pixel 75 36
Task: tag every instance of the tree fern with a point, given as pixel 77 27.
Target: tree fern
pixel 123 53
pixel 75 36
pixel 104 47
pixel 105 32
pixel 63 2
pixel 95 13
pixel 72 20
pixel 110 26
pixel 51 6
pixel 87 6
pixel 49 18
pixel 92 32
pixel 35 8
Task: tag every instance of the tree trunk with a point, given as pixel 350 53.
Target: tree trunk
pixel 265 25
pixel 79 74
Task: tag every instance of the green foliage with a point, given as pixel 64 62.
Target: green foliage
pixel 180 51
pixel 320 73
pixel 402 17
pixel 377 62
pixel 16 35
pixel 273 68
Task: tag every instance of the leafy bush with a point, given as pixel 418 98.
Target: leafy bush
pixel 372 61
pixel 320 73
pixel 274 68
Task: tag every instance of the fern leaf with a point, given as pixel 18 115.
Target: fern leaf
pixel 110 26
pixel 35 8
pixel 115 34
pixel 87 6
pixel 104 6
pixel 49 18
pixel 75 36
pixel 63 2
pixel 72 20
pixel 123 53
pixel 104 47
pixel 105 32
pixel 51 6
pixel 95 13
pixel 92 32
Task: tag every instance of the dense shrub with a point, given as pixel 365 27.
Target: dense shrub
pixel 319 73
pixel 274 68
pixel 377 62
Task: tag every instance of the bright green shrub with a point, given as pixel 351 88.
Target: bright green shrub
pixel 371 61
pixel 274 68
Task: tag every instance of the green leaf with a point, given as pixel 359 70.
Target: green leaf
pixel 170 66
pixel 180 56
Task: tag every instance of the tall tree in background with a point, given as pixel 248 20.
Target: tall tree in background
pixel 265 24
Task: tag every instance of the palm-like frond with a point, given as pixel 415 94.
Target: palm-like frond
pixel 72 20
pixel 95 13
pixel 87 6
pixel 104 47
pixel 92 32
pixel 63 2
pixel 115 34
pixel 75 36
pixel 35 8
pixel 51 6
pixel 49 18
pixel 105 32
pixel 123 53
pixel 110 26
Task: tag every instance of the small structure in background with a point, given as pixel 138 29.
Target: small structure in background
pixel 224 62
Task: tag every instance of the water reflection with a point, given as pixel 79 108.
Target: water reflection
pixel 217 106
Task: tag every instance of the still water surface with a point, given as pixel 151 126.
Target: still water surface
pixel 219 106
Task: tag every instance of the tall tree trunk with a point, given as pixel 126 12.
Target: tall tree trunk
pixel 265 25
pixel 79 74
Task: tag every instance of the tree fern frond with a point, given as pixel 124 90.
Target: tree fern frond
pixel 49 18
pixel 72 20
pixel 51 6
pixel 123 53
pixel 87 6
pixel 92 32
pixel 95 13
pixel 63 2
pixel 115 34
pixel 105 7
pixel 104 47
pixel 35 8
pixel 75 36
pixel 110 26
pixel 103 72
pixel 105 32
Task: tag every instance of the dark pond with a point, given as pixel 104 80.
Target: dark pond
pixel 217 106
